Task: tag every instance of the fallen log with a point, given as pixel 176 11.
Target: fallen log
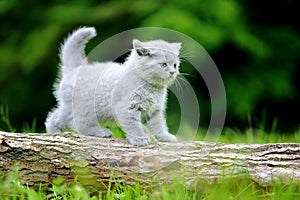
pixel 42 157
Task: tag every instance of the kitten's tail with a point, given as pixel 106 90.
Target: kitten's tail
pixel 72 51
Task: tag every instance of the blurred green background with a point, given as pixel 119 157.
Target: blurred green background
pixel 255 45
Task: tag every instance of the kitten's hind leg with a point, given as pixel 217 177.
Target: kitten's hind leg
pixel 53 123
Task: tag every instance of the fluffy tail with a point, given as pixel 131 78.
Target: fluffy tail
pixel 72 51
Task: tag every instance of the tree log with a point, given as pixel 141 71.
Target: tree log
pixel 42 157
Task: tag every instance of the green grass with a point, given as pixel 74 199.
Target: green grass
pixel 11 186
pixel 4 118
pixel 7 126
pixel 251 136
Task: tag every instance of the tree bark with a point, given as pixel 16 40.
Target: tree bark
pixel 42 157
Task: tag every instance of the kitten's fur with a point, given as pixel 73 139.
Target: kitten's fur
pixel 132 94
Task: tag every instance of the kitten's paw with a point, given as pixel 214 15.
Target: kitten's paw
pixel 166 137
pixel 105 133
pixel 139 141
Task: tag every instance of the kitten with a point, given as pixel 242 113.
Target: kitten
pixel 132 94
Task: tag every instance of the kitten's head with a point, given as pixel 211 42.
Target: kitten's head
pixel 157 61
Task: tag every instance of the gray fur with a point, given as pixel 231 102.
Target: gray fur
pixel 132 94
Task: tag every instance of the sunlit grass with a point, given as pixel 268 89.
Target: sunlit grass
pixel 11 187
pixel 251 136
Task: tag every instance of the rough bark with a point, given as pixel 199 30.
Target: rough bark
pixel 42 157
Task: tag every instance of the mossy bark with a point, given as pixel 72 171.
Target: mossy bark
pixel 42 157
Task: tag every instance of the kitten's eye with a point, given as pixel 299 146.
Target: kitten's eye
pixel 175 66
pixel 163 65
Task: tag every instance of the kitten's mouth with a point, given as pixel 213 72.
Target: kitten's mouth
pixel 171 78
pixel 172 75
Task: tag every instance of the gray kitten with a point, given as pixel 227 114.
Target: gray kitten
pixel 133 94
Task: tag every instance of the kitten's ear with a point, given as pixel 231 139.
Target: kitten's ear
pixel 177 47
pixel 141 51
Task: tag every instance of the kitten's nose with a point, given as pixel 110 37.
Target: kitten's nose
pixel 172 72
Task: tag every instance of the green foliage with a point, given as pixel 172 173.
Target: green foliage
pixel 32 31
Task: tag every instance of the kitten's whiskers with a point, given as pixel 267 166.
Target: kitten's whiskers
pixel 178 86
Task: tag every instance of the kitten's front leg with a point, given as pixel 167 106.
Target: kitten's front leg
pixel 158 127
pixel 130 121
